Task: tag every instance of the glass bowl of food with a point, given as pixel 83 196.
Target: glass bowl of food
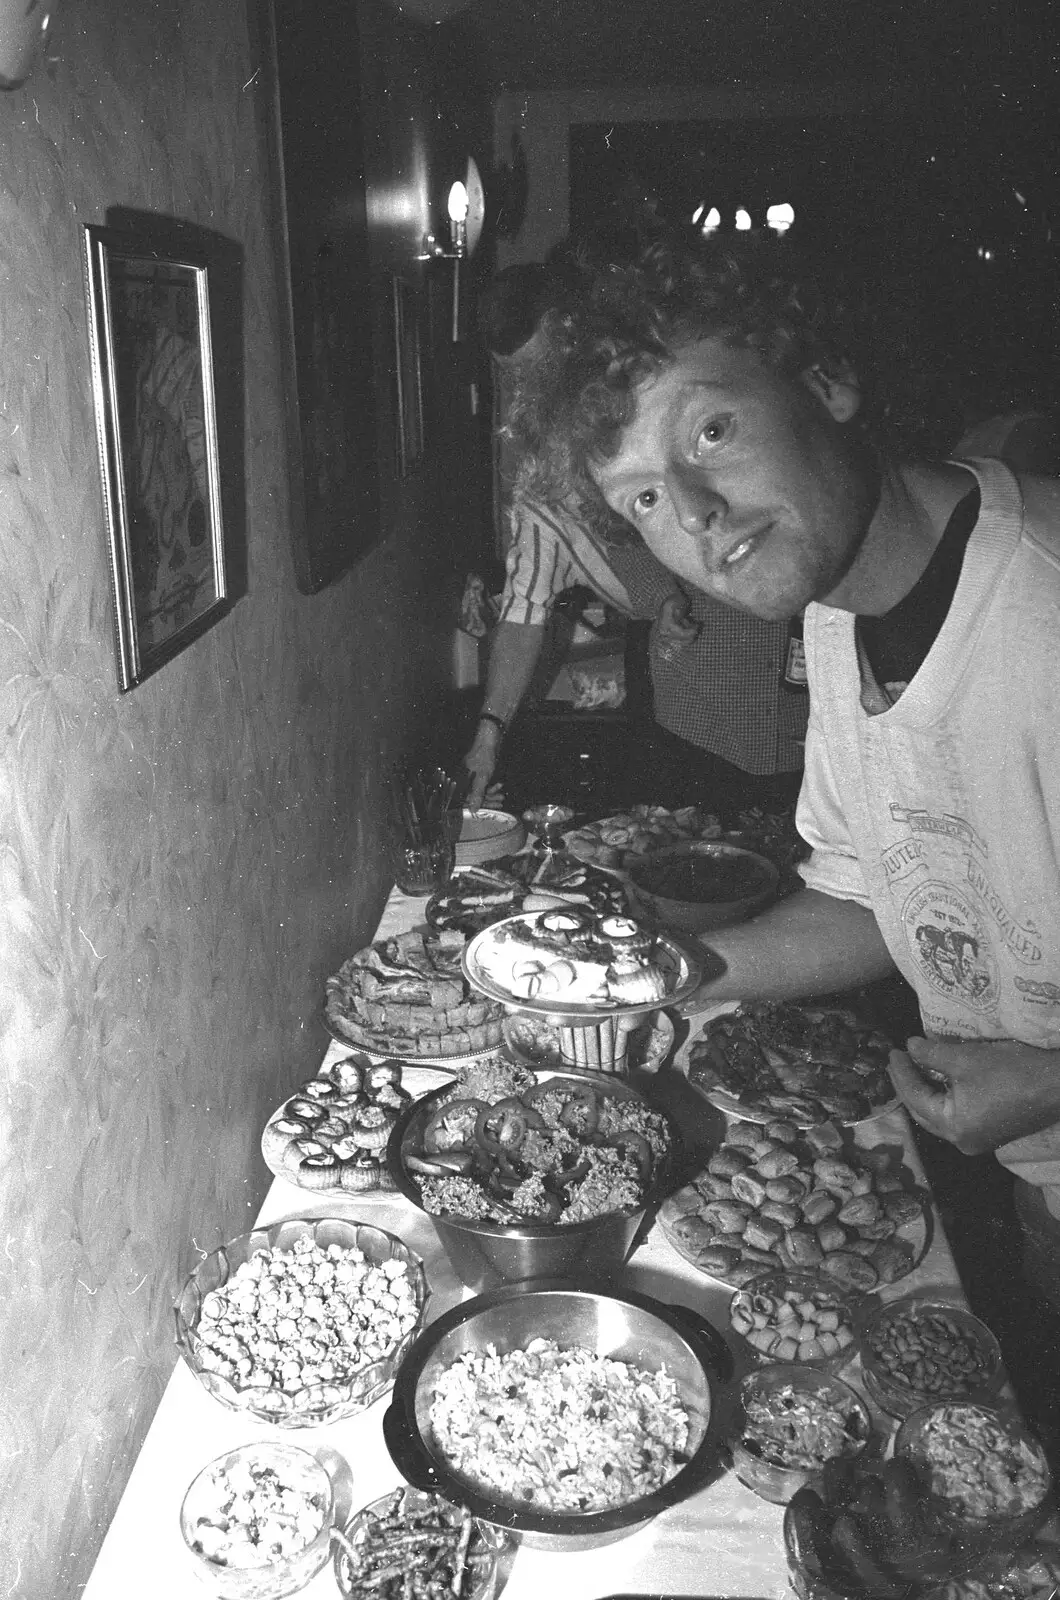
pixel 257 1521
pixel 1030 1573
pixel 799 1318
pixel 920 1349
pixel 439 1547
pixel 792 1422
pixel 981 1470
pixel 866 1532
pixel 304 1322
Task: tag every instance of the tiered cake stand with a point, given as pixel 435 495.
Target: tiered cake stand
pixel 591 1037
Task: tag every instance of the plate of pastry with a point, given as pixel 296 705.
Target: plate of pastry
pixel 800 1061
pixel 407 996
pixel 774 1197
pixel 573 962
pixel 331 1135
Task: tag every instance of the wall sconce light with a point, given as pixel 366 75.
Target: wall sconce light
pixel 458 206
pixel 466 208
pixel 458 238
pixel 23 36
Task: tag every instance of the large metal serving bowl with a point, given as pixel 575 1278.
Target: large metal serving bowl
pixel 485 1254
pixel 616 1323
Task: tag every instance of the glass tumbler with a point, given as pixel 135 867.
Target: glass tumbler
pixel 423 865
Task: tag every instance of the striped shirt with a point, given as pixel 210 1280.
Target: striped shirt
pixel 723 692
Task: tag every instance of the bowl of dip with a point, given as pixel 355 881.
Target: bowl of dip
pixel 701 884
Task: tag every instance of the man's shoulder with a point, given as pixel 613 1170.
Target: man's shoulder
pixel 1019 515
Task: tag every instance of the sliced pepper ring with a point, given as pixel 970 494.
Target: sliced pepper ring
pixel 634 1145
pixel 502 1127
pixel 580 1111
pixel 442 1164
pixel 451 1126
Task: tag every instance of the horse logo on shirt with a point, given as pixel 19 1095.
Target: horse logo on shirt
pixel 950 947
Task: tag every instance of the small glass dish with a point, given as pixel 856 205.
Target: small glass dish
pixel 406 1511
pixel 798 1318
pixel 257 1521
pixel 792 1420
pixel 981 1470
pixel 920 1350
pixel 312 1404
pixel 866 1532
pixel 1030 1573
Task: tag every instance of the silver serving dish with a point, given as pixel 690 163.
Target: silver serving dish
pixel 617 1323
pixel 485 1254
pixel 682 968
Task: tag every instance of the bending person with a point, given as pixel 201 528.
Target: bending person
pixel 699 395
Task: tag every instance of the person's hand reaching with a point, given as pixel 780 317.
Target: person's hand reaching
pixel 978 1093
pixel 481 762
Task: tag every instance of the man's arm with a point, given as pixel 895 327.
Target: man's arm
pixel 514 653
pixel 810 943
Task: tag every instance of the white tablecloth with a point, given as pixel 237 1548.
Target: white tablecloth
pixel 723 1541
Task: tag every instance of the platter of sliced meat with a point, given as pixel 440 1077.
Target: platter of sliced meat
pixel 805 1062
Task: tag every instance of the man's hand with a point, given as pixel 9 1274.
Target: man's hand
pixel 481 761
pixel 673 623
pixel 978 1093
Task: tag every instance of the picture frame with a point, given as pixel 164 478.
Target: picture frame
pixel 170 458
pixel 408 369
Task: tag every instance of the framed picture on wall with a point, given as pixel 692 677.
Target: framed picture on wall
pixel 408 367
pixel 164 454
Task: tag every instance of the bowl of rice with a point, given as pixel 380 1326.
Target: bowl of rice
pixel 569 1414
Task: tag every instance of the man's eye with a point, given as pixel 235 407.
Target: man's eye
pixel 647 500
pixel 713 433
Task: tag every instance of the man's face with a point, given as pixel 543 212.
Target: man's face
pixel 742 481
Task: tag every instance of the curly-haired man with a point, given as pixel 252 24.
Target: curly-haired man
pixel 703 395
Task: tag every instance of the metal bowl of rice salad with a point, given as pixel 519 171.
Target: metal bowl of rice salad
pixel 530 1174
pixel 568 1414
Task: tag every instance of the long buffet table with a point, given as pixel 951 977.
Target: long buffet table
pixel 724 1541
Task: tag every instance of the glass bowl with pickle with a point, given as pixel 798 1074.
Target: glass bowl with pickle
pixel 792 1422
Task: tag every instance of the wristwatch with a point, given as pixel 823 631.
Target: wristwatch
pixel 491 716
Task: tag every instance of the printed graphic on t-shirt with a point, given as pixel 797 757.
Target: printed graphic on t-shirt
pixel 1037 991
pixel 950 946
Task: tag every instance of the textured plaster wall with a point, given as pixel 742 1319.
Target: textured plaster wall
pixel 181 867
